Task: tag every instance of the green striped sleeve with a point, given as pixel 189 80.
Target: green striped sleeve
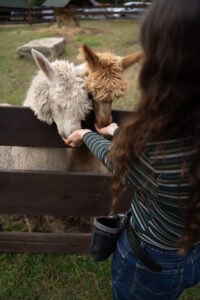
pixel 99 146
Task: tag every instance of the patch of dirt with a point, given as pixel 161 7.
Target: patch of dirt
pixel 18 32
pixel 14 25
pixel 69 32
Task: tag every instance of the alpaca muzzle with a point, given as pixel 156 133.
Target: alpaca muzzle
pixel 102 112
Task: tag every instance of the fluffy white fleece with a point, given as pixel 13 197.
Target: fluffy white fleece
pixel 57 94
pixel 64 92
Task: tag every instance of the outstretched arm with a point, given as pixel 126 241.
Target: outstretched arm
pixel 97 144
pixel 76 138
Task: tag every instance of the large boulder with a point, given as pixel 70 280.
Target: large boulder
pixel 50 47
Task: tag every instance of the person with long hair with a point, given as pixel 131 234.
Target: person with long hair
pixel 158 154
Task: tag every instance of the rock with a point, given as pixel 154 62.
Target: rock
pixel 50 47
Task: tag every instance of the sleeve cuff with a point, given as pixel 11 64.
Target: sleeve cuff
pixel 117 131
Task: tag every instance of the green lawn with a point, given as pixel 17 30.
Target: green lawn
pixel 57 276
pixel 120 38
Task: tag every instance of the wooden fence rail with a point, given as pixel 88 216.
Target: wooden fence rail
pixel 49 192
pixel 25 16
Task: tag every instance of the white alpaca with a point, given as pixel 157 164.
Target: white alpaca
pixel 57 94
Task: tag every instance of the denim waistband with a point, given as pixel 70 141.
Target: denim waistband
pixel 194 250
pixel 151 246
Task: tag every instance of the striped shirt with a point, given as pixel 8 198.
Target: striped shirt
pixel 160 196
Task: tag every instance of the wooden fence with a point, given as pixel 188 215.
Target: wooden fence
pixel 25 16
pixel 39 15
pixel 117 11
pixel 49 193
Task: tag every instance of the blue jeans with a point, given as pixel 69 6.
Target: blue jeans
pixel 132 280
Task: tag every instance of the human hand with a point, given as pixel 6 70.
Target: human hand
pixel 75 139
pixel 108 130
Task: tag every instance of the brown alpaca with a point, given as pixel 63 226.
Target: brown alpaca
pixel 104 80
pixel 103 74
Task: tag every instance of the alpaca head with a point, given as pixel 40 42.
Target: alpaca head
pixel 105 81
pixel 60 94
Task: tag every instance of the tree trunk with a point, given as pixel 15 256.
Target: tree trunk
pixel 65 17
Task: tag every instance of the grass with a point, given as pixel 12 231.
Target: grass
pixel 59 276
pixel 90 41
pixel 119 37
pixel 55 276
pixel 13 85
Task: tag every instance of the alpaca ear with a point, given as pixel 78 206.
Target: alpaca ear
pixel 130 59
pixel 90 56
pixel 43 64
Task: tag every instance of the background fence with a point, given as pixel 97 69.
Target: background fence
pixel 25 16
pixel 53 193
pixel 39 15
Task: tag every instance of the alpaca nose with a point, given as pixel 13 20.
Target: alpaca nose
pixel 103 122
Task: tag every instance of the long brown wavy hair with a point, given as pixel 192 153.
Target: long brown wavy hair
pixel 169 104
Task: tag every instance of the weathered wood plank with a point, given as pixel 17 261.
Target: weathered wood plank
pixel 19 127
pixel 69 243
pixel 57 193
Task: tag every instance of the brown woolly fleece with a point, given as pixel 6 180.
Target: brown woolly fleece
pixel 104 73
pixel 105 82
